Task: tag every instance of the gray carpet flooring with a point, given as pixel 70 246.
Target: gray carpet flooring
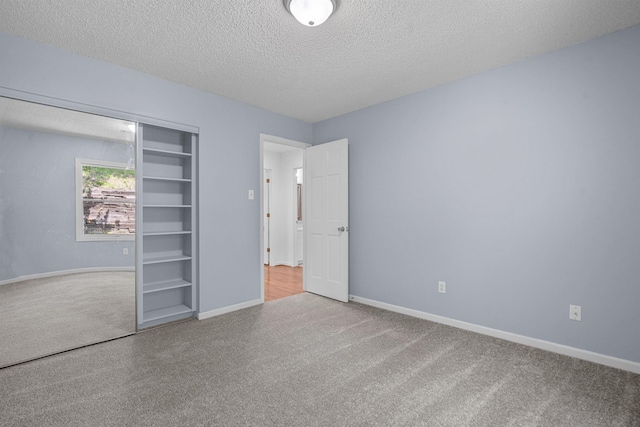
pixel 44 316
pixel 308 361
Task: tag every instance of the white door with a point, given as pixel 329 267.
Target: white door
pixel 326 173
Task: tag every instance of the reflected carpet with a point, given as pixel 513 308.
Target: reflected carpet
pixel 48 315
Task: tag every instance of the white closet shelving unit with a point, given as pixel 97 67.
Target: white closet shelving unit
pixel 166 240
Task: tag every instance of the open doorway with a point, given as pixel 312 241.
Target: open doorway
pixel 282 207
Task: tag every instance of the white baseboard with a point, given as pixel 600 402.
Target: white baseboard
pixel 229 309
pixel 589 356
pixel 65 272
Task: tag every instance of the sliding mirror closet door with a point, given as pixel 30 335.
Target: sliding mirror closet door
pixel 67 229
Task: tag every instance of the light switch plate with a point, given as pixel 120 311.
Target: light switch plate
pixel 575 312
pixel 442 287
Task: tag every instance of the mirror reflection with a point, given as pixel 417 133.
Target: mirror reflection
pixel 67 229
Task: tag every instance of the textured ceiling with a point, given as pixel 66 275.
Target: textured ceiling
pixel 44 118
pixel 368 52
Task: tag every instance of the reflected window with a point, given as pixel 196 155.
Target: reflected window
pixel 105 200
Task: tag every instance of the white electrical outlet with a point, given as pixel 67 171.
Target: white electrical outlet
pixel 575 312
pixel 442 287
pixel 125 251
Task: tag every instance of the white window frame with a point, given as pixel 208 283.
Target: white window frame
pixel 80 235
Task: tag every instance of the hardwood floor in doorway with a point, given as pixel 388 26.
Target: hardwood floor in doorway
pixel 282 281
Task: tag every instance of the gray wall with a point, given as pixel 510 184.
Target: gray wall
pixel 519 187
pixel 229 147
pixel 38 203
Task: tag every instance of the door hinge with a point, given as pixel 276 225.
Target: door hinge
pixel 268 180
pixel 268 215
pixel 268 249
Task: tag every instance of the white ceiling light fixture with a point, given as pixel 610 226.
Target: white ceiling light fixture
pixel 310 12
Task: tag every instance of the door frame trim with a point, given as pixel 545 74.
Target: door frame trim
pixel 282 141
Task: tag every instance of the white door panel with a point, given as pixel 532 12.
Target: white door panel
pixel 327 191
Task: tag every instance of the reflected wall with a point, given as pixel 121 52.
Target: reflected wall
pixel 38 204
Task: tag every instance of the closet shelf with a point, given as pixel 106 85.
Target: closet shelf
pixel 166 206
pixel 166 153
pixel 165 233
pixel 162 178
pixel 148 288
pixel 161 259
pixel 150 316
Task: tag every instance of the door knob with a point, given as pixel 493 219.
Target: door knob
pixel 343 229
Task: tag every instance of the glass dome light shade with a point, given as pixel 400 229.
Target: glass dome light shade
pixel 311 12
